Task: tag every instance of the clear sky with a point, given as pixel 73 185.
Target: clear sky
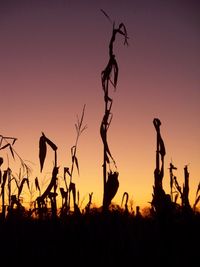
pixel 51 57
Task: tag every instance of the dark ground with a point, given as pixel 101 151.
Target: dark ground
pixel 101 240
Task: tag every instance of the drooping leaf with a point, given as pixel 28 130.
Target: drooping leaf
pixel 42 151
pixel 50 143
pixel 11 150
pixel 4 146
pixel 24 180
pixel 72 187
pixel 111 187
pixel 5 174
pixel 76 162
pixel 115 72
pixel 106 15
pixel 37 186
pixel 63 193
pixel 14 140
pixel 198 188
pixel 105 143
pixel 196 201
pixel 51 184
pixel 66 170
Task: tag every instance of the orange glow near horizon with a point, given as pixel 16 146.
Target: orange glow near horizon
pixel 51 62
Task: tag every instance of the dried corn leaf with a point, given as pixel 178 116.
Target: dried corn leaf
pixel 50 143
pixel 3 147
pixel 82 116
pixel 66 170
pixel 111 187
pixel 51 184
pixel 42 151
pixel 106 15
pixel 74 158
pixel 14 140
pixel 198 188
pixel 37 186
pixel 72 187
pixel 103 131
pixel 1 161
pixel 5 174
pixel 11 150
pixel 176 197
pixel 22 184
pixel 116 70
pixel 197 201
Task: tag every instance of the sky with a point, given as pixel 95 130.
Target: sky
pixel 52 54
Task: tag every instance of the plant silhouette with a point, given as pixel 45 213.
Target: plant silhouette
pixel 110 179
pixel 109 235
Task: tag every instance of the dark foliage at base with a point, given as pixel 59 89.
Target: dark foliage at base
pixel 101 239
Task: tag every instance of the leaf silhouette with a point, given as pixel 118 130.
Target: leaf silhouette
pixel 11 150
pixel 42 151
pixel 22 184
pixel 196 201
pixel 106 15
pixel 1 161
pixel 72 187
pixel 176 197
pixel 66 170
pixel 51 184
pixel 116 70
pixel 198 188
pixel 37 186
pixel 5 174
pixel 5 146
pixel 76 162
pixel 14 140
pixel 50 143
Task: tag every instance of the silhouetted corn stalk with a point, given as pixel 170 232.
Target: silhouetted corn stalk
pixel 126 197
pixel 53 183
pixel 172 184
pixel 87 208
pixel 111 68
pixel 47 193
pixel 161 201
pixel 184 192
pixel 8 142
pixel 71 188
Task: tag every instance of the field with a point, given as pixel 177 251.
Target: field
pixel 99 238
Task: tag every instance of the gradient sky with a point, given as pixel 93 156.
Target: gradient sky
pixel 51 57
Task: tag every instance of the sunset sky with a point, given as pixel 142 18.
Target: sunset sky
pixel 51 57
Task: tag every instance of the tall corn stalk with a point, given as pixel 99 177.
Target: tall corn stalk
pixel 161 201
pixel 8 142
pixel 184 192
pixel 80 128
pixel 53 183
pixel 110 179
